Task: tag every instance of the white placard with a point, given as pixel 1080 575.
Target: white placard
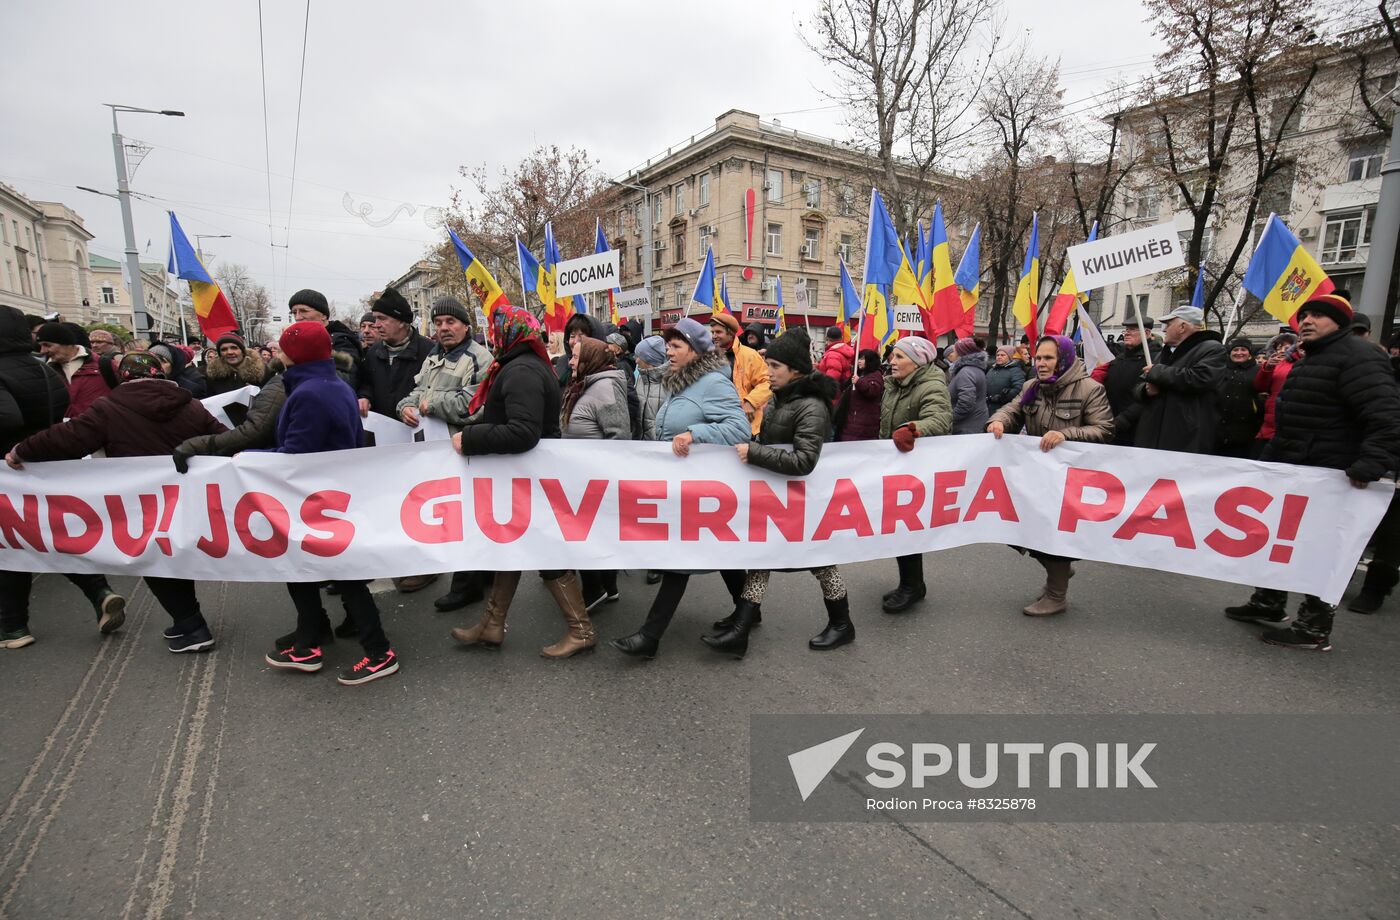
pixel 386 430
pixel 908 319
pixel 218 404
pixel 598 272
pixel 799 296
pixel 1127 255
pixel 636 302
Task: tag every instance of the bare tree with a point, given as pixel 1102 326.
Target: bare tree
pixel 909 74
pixel 249 299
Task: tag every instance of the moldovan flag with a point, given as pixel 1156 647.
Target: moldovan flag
pixel 923 264
pixel 600 245
pixel 1062 307
pixel 479 278
pixel 968 278
pixel 707 292
pixel 556 311
pixel 1282 274
pixel 782 316
pixel 531 274
pixel 884 255
pixel 210 304
pixel 850 302
pixel 1025 309
pixel 946 305
pixel 724 294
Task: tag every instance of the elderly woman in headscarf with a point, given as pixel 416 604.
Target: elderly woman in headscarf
pixel 516 406
pixel 915 405
pixel 1060 403
pixel 595 407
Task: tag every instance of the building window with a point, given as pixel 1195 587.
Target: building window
pixel 812 191
pixel 811 294
pixel 680 199
pixel 848 200
pixel 812 245
pixel 656 209
pixel 707 239
pixel 659 296
pixel 9 275
pixel 14 224
pixel 678 247
pixel 1347 236
pixel 24 280
pixel 1364 163
pixel 1148 207
pixel 775 239
pixel 4 233
pixel 845 249
pixel 656 247
pixel 28 239
pixel 703 192
pixel 108 294
pixel 639 260
pixel 775 185
pixel 681 294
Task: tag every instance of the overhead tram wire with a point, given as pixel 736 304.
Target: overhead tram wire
pixel 267 156
pixel 296 142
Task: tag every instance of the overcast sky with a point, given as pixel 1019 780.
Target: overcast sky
pixel 397 96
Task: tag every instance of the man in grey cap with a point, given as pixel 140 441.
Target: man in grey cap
pixel 1179 407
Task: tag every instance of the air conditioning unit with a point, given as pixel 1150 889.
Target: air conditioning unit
pixel 1307 233
pixel 694 211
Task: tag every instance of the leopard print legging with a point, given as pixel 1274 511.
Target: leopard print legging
pixel 829 577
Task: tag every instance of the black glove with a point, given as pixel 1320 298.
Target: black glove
pixel 181 455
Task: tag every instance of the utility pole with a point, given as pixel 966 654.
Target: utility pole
pixel 1375 288
pixel 140 318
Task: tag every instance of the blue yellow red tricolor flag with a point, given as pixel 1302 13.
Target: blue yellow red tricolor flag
pixel 1282 274
pixel 1069 297
pixel 556 311
pixel 884 257
pixel 782 315
pixel 479 278
pixel 945 303
pixel 1198 296
pixel 724 294
pixel 923 261
pixel 600 245
pixel 1025 308
pixel 531 274
pixel 707 289
pixel 968 278
pixel 850 302
pixel 210 305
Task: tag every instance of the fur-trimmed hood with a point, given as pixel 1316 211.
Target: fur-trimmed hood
pixel 252 370
pixel 677 381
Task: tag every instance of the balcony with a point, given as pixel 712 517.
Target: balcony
pixel 1351 195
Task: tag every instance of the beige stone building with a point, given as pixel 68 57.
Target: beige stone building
pixel 111 298
pixel 43 257
pixel 1327 195
pixel 810 202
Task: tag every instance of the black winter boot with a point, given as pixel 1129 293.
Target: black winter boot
pixel 1265 605
pixel 1311 629
pixel 911 588
pixel 726 624
pixel 1380 581
pixel 839 629
pixel 735 640
pixel 467 588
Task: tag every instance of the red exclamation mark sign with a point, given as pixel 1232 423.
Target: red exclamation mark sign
pixel 167 516
pixel 1289 518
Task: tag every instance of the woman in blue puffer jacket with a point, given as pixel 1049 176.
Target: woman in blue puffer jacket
pixel 701 407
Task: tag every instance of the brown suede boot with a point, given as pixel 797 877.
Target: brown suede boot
pixel 491 631
pixel 1053 598
pixel 568 594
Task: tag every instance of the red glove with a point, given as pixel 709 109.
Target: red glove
pixel 904 437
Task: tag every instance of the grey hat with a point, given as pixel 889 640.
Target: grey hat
pixel 1187 314
pixel 451 306
pixel 652 350
pixel 618 339
pixel 696 335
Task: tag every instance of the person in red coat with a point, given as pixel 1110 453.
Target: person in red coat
pixel 145 416
pixel 1282 353
pixel 839 360
pixel 61 348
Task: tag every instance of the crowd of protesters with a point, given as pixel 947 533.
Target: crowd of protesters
pixel 1325 396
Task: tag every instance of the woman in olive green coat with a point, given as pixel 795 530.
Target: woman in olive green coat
pixel 915 405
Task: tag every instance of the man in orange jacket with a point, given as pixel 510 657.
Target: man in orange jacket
pixel 750 370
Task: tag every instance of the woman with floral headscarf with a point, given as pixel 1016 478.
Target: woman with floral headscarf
pixel 516 405
pixel 1060 403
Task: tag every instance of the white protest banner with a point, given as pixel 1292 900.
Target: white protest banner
pixel 598 272
pixel 217 405
pixel 386 430
pixel 636 302
pixel 908 318
pixel 387 511
pixel 431 429
pixel 1125 256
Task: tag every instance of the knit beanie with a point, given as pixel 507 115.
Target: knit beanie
pixel 392 304
pixel 917 349
pixel 304 342
pixel 451 306
pixel 232 338
pixel 313 299
pixel 967 346
pixel 1242 342
pixel 618 339
pixel 652 350
pixel 1330 305
pixel 56 334
pixel 792 348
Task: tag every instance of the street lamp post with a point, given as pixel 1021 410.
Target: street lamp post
pixel 140 318
pixel 646 261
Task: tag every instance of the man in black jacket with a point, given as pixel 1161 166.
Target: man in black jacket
pixel 1179 411
pixel 391 364
pixel 1339 408
pixel 33 396
pixel 1121 376
pixel 1241 405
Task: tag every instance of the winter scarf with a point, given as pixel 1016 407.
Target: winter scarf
pixel 1065 346
pixel 593 357
pixel 510 326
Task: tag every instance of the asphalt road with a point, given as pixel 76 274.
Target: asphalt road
pixel 135 783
